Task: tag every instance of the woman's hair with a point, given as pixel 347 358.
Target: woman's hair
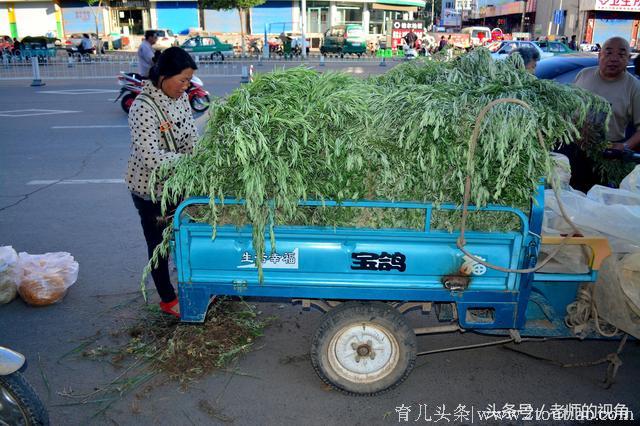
pixel 528 54
pixel 171 62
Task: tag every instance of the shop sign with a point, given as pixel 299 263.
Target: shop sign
pixel 451 18
pixel 402 28
pixel 130 4
pixel 618 5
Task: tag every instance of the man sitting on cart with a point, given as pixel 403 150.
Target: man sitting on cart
pixel 86 46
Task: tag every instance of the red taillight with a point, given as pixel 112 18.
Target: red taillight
pixel 165 38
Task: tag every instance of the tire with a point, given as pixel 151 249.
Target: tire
pixel 217 57
pixel 127 101
pixel 19 404
pixel 340 344
pixel 323 51
pixel 200 104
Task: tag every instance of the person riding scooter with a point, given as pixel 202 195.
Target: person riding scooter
pixel 85 46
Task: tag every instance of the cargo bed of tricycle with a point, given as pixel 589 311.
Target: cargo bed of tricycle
pixel 362 270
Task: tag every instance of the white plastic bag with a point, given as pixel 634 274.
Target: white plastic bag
pixel 46 277
pixel 632 181
pixel 617 293
pixel 608 212
pixel 9 274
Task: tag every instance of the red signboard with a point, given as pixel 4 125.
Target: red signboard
pixel 618 5
pixel 402 28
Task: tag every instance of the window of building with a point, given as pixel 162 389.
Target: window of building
pixel 317 16
pixel 380 21
pixel 348 14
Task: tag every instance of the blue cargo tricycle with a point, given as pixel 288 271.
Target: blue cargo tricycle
pixel 366 279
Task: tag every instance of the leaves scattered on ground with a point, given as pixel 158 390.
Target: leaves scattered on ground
pixel 156 345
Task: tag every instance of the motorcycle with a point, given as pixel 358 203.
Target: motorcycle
pixel 409 52
pixel 131 85
pixel 19 403
pixel 83 55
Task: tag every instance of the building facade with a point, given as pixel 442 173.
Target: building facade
pixel 60 18
pixel 21 18
pixel 592 21
pixel 508 15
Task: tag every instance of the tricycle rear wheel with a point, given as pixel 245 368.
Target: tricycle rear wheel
pixel 363 348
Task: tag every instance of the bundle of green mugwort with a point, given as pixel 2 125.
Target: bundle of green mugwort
pixel 299 134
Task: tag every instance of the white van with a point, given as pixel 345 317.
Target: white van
pixel 473 34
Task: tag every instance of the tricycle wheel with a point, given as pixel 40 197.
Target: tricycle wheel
pixel 363 348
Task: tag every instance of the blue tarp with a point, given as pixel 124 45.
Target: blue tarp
pixel 277 14
pixel 178 16
pixel 78 18
pixel 222 21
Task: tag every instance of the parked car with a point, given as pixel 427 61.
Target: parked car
pixel 344 39
pixel 6 42
pixel 501 49
pixel 565 68
pixel 479 35
pixel 208 46
pixel 41 42
pixel 554 47
pixel 166 39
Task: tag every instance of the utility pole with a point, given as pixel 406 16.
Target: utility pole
pixel 433 12
pixel 524 12
pixel 303 28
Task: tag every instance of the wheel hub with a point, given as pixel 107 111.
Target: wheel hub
pixel 364 352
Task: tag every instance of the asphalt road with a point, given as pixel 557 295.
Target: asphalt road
pixel 46 141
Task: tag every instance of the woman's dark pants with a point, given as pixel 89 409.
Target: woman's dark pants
pixel 153 224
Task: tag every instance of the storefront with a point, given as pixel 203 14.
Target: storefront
pixel 610 18
pixel 507 16
pixel 375 17
pixel 382 14
pixel 177 16
pixel 277 16
pixel 130 17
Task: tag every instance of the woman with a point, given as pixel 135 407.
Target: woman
pixel 162 129
pixel 530 57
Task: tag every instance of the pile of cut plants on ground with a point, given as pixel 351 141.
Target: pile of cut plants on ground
pixel 300 134
pixel 158 343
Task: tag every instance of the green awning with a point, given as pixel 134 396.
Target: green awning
pixel 414 3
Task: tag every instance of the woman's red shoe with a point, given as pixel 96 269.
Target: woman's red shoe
pixel 171 308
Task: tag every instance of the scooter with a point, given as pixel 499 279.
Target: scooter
pixel 19 403
pixel 80 55
pixel 409 52
pixel 131 85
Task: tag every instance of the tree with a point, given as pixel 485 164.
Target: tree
pixel 241 5
pixel 95 11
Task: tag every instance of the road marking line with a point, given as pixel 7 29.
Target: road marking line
pixel 101 126
pixel 78 91
pixel 75 181
pixel 31 112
